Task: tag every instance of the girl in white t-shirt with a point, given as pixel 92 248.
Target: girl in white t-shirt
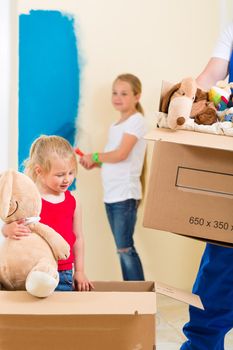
pixel 121 167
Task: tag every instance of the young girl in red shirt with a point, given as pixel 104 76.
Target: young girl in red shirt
pixel 52 165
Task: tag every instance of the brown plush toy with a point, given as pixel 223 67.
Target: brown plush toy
pixel 177 102
pixel 29 263
pixel 203 111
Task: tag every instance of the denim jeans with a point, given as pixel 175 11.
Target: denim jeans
pixel 122 218
pixel 65 281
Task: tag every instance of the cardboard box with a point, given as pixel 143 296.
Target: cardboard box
pixel 116 316
pixel 190 190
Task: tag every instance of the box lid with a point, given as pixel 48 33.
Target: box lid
pixel 192 138
pixel 178 294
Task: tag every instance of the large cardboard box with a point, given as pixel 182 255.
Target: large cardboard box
pixel 116 316
pixel 190 189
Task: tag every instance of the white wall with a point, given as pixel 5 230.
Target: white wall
pixel 8 85
pixel 4 82
pixel 156 40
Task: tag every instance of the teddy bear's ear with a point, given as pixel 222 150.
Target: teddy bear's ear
pixel 166 98
pixel 6 182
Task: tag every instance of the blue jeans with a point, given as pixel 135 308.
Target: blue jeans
pixel 65 281
pixel 122 218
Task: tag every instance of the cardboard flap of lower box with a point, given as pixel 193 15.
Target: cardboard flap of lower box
pixel 192 138
pixel 108 298
pixel 178 294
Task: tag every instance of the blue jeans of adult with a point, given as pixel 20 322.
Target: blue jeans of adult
pixel 122 218
pixel 207 328
pixel 65 281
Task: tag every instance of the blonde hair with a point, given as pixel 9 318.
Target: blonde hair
pixel 136 86
pixel 42 150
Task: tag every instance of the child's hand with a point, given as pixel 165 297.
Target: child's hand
pixel 87 162
pixel 81 282
pixel 16 230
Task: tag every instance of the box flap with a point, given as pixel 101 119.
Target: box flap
pixel 186 297
pixel 192 138
pixel 78 303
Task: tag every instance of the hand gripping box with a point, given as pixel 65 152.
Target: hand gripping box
pixel 116 316
pixel 190 190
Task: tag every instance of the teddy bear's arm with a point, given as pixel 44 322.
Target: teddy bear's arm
pixel 59 247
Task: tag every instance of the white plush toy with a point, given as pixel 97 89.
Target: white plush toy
pixel 29 263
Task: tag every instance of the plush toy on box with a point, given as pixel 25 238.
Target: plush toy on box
pixel 29 263
pixel 220 94
pixel 203 111
pixel 178 101
pixel 222 97
pixel 184 101
pixel 226 115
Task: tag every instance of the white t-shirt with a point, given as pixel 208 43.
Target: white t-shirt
pixel 224 46
pixel 121 180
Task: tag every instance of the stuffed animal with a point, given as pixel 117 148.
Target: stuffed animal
pixel 177 102
pixel 226 115
pixel 203 111
pixel 220 94
pixel 219 97
pixel 29 263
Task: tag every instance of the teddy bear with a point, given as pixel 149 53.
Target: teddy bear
pixel 177 102
pixel 29 263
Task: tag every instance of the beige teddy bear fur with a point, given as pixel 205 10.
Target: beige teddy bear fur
pixel 31 262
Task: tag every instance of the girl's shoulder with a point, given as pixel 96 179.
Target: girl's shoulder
pixel 137 115
pixel 69 197
pixel 75 199
pixel 68 194
pixel 137 118
pixel 136 125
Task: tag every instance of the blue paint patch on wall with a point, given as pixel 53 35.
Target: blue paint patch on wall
pixel 49 78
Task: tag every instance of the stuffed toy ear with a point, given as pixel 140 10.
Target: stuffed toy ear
pixel 6 182
pixel 166 98
pixel 201 95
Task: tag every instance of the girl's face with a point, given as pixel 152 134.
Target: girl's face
pixel 123 98
pixel 59 178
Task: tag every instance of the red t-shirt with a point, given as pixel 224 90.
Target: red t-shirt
pixel 60 217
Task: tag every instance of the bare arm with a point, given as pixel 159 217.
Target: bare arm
pixel 15 230
pixel 118 155
pixel 215 70
pixel 81 281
